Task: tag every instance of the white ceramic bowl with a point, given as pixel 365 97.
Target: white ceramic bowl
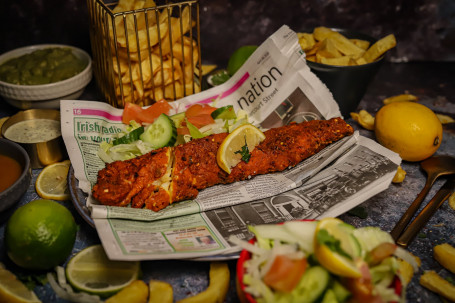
pixel 46 96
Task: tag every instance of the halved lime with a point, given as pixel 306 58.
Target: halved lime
pixel 92 272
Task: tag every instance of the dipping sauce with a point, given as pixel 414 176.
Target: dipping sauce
pixel 42 66
pixel 33 131
pixel 11 171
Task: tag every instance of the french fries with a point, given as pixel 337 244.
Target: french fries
pixel 136 292
pixel 399 175
pixel 364 118
pixel 154 53
pixel 218 285
pixel 160 292
pixel 445 255
pixel 330 47
pixel 400 98
pixel 434 282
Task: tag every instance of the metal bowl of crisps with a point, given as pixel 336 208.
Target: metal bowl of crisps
pixel 346 61
pixel 39 76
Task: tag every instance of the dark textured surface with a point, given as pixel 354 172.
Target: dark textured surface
pixel 431 82
pixel 425 29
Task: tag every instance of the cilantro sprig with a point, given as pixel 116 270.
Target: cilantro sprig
pixel 244 152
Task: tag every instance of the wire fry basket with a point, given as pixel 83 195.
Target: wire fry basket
pixel 144 52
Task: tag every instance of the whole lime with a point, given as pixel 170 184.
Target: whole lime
pixel 40 235
pixel 239 57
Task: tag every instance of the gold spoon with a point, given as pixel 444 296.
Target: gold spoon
pixel 427 212
pixel 435 167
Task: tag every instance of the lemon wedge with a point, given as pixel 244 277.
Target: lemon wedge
pixel 14 291
pixel 51 183
pixel 230 151
pixel 92 272
pixel 342 264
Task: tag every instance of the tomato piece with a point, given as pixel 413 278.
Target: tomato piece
pixel 183 131
pixel 131 112
pixel 199 109
pixel 380 252
pixel 201 120
pixel 362 288
pixel 285 273
pixel 150 114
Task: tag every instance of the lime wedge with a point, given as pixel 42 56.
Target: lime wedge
pixel 92 272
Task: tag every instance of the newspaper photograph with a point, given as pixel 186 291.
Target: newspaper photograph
pixel 274 87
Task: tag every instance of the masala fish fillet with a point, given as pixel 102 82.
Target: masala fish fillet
pixel 172 174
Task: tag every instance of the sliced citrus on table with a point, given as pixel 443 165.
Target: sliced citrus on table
pixel 92 272
pixel 238 144
pixel 336 248
pixel 51 183
pixel 14 291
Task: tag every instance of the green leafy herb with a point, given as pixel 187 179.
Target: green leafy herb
pixel 194 131
pixel 244 152
pixel 422 235
pixel 31 280
pixel 449 279
pixel 359 212
pixel 324 238
pixel 220 77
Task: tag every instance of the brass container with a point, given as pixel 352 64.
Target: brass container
pixel 41 153
pixel 145 51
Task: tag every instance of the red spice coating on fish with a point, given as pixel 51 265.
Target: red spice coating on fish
pixel 194 165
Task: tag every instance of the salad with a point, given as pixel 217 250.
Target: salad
pixel 155 127
pixel 325 261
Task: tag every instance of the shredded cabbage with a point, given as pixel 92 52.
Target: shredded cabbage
pixel 109 153
pixel 66 292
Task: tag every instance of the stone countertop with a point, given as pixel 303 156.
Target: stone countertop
pixel 431 82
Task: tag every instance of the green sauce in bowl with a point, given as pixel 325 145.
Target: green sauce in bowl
pixel 42 66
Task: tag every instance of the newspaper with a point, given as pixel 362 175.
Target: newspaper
pixel 275 87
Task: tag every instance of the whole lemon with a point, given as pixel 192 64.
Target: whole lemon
pixel 409 129
pixel 40 235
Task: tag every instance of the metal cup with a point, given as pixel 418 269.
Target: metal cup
pixel 41 153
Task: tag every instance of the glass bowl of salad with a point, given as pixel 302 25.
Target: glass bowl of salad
pixel 321 261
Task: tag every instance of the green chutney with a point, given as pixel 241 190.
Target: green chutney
pixel 42 66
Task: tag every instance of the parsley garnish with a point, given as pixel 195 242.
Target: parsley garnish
pixel 244 152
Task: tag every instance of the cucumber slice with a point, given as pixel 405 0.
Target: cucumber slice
pixel 329 297
pixel 130 137
pixel 372 236
pixel 178 119
pixel 341 293
pixel 314 282
pixel 160 133
pixel 225 113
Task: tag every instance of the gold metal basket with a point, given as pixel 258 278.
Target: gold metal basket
pixel 144 51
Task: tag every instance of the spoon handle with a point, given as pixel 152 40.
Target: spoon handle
pixel 424 216
pixel 407 216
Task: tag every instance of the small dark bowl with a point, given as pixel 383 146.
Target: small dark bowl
pixel 12 194
pixel 348 84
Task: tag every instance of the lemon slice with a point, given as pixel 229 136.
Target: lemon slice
pixel 51 182
pixel 14 291
pixel 229 152
pixel 92 272
pixel 207 68
pixel 335 261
